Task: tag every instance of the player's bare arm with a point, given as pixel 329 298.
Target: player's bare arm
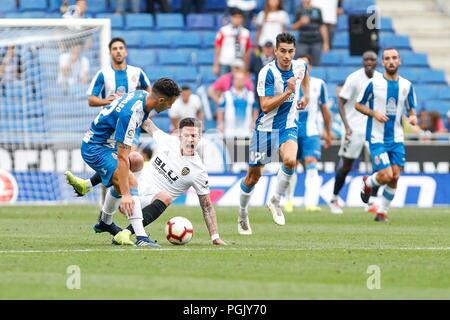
pixel 270 103
pixel 327 124
pixel 412 117
pixel 123 169
pixel 303 102
pixel 341 104
pixel 371 113
pixel 209 214
pixel 94 101
pixel 149 126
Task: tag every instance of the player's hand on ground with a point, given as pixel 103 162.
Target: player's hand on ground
pixel 380 117
pixel 219 242
pixel 412 120
pixel 127 205
pixel 291 84
pixel 302 103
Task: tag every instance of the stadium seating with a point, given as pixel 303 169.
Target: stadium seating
pixel 166 21
pixel 139 21
pixel 8 6
pixel 153 39
pixel 188 40
pixel 32 4
pixel 98 6
pixel 117 21
pixel 200 21
pixel 141 57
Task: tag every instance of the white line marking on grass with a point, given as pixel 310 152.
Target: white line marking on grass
pixel 131 249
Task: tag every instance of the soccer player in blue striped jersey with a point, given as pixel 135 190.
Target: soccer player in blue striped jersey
pixel 106 147
pixel 109 83
pixel 309 148
pixel 386 97
pixel 283 89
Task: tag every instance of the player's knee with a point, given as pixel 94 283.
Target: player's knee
pixel 290 163
pixel 164 197
pixel 136 161
pixel 385 176
pixel 252 178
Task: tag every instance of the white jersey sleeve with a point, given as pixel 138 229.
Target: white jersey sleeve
pixel 201 184
pixel 162 138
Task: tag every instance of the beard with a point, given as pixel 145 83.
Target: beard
pixel 391 72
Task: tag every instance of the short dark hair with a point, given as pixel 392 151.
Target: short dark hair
pixel 185 87
pixel 285 37
pixel 190 122
pixel 236 11
pixel 307 56
pixel 116 39
pixel 166 87
pixel 386 49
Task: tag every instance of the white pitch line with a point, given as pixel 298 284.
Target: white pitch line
pixel 131 249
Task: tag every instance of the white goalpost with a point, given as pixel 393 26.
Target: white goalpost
pixel 45 69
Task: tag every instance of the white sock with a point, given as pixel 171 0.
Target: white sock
pixel 284 177
pixel 388 196
pixel 334 197
pixel 312 181
pixel 136 218
pixel 372 181
pixel 244 198
pixel 291 188
pixel 110 205
pixel 89 183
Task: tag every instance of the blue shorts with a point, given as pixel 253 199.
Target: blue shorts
pixel 264 146
pixel 308 147
pixel 385 155
pixel 102 159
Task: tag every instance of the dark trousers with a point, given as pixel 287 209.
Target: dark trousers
pixel 163 6
pixel 312 49
pixel 186 6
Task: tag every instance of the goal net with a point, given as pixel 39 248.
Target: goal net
pixel 45 69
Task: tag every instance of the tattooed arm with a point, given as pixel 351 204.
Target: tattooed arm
pixel 149 126
pixel 209 214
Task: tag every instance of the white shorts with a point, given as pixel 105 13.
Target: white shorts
pixel 146 196
pixel 351 148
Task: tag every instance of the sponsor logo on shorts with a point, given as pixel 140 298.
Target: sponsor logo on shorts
pixel 377 160
pixel 185 171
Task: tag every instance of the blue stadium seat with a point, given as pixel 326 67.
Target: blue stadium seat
pixel 156 72
pixel 412 74
pixel 444 94
pixel 132 38
pixel 341 40
pixel 162 122
pixel 337 75
pixel 331 58
pixel 172 57
pixel 141 57
pixel 425 93
pixel 207 75
pixel 357 6
pixel 433 76
pixel 169 21
pixel 440 106
pixel 186 74
pixel 188 40
pixel 319 72
pixel 8 6
pixel 98 6
pixel 221 20
pixel 205 57
pixel 395 41
pixel 386 24
pixel 413 59
pixel 32 4
pixel 351 61
pixel 209 38
pixel 201 21
pixel 139 21
pixel 342 23
pixel 154 39
pixel 116 20
pixel 215 5
pixel 27 15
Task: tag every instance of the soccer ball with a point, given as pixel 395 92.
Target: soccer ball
pixel 179 230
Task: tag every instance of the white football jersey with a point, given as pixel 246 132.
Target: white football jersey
pixel 170 171
pixel 354 84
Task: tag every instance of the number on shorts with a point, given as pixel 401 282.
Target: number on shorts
pixel 384 158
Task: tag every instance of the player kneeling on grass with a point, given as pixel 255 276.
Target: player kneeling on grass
pixel 173 169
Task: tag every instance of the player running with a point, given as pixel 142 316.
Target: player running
pixel 275 129
pixel 173 169
pixel 386 96
pixel 309 142
pixel 106 148
pixel 353 141
pixel 109 83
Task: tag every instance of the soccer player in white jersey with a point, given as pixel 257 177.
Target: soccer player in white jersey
pixel 386 96
pixel 109 83
pixel 106 147
pixel 309 142
pixel 353 141
pixel 279 84
pixel 174 167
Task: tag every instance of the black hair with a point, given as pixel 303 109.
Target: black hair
pixel 307 56
pixel 166 87
pixel 189 122
pixel 185 87
pixel 116 39
pixel 285 37
pixel 386 49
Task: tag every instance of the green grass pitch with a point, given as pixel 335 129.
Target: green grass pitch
pixel 314 256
